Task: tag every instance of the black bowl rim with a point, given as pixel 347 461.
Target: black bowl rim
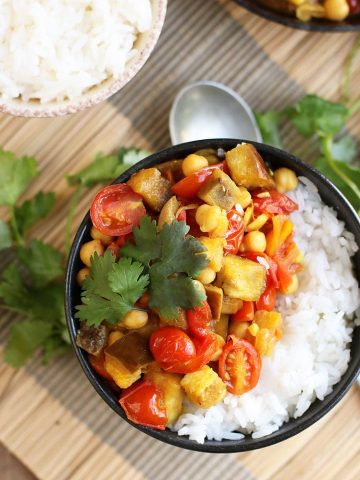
pixel 315 25
pixel 288 429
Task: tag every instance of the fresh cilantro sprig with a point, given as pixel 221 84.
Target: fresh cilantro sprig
pixel 324 121
pixel 172 260
pixel 111 290
pixel 31 283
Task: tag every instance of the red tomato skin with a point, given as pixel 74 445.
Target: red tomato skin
pixel 354 6
pixel 245 314
pixel 190 186
pixel 251 356
pixel 143 404
pixel 113 202
pixel 235 233
pixel 276 204
pixel 199 320
pixel 171 345
pixel 267 300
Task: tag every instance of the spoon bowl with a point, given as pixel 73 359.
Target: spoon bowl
pixel 209 109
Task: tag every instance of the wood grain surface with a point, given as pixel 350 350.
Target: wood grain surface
pixel 50 417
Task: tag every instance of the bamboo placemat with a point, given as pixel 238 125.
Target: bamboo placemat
pixel 51 418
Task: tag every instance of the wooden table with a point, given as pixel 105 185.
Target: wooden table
pixel 50 417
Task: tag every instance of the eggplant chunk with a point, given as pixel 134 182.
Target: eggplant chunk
pixel 92 339
pixel 242 278
pixel 131 350
pixel 231 305
pixel 155 189
pixel 221 327
pixel 169 384
pixel 171 170
pixel 214 297
pixel 204 387
pixel 168 212
pixel 247 167
pixel 221 191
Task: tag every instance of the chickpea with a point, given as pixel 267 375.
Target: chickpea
pixel 206 276
pixel 88 249
pixel 221 228
pixel 255 242
pixel 192 163
pixel 207 217
pixel 97 235
pixel 199 286
pixel 220 342
pixel 135 319
pixel 114 337
pixel 293 286
pixel 82 275
pixel 336 9
pixel 285 180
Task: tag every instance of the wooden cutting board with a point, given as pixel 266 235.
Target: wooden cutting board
pixel 50 417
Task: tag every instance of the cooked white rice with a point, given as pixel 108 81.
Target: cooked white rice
pixel 313 352
pixel 57 49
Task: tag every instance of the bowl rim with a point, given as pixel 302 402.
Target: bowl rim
pixel 315 25
pixel 318 409
pixel 100 92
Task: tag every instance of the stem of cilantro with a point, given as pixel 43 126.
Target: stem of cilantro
pixel 326 142
pixel 19 240
pixel 70 217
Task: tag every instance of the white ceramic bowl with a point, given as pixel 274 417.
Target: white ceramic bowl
pixel 145 45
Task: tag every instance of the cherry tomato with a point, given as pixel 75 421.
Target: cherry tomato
pixel 271 272
pixel 114 249
pixel 171 345
pixel 285 258
pixel 97 363
pixel 354 6
pixel 199 320
pixel 190 186
pixel 116 209
pixel 182 216
pixel 245 314
pixel 267 300
pixel 239 365
pixel 235 233
pixel 176 352
pixel 276 203
pixel 144 404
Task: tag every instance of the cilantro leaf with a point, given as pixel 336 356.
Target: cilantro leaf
pixel 145 235
pixel 29 212
pixel 268 124
pixel 42 261
pixel 5 235
pixel 344 149
pixel 313 114
pixel 111 290
pixel 15 176
pixel 172 259
pixel 25 337
pixel 13 290
pixel 350 172
pixel 107 167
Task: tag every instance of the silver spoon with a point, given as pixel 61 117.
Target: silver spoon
pixel 206 109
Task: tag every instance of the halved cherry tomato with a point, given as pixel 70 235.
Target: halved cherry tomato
pixel 190 186
pixel 97 363
pixel 235 233
pixel 176 352
pixel 199 320
pixel 267 300
pixel 275 203
pixel 245 314
pixel 271 272
pixel 116 209
pixel 144 404
pixel 239 365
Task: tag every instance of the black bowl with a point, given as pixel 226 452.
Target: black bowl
pixel 263 9
pixel 330 195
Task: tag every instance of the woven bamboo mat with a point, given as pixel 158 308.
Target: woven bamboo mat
pixel 51 418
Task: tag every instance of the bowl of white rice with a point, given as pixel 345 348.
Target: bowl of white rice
pixel 318 357
pixel 62 56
